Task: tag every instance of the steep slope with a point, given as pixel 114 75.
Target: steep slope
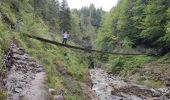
pixel 25 78
pixel 50 56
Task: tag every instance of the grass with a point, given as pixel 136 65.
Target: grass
pixel 165 59
pixel 129 65
pixel 44 53
pixel 150 83
pixel 126 65
pixel 71 61
pixel 48 55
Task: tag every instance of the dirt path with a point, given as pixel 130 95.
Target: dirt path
pixel 107 87
pixel 25 78
pixel 37 89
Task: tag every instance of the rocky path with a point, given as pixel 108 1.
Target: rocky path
pixel 107 87
pixel 24 77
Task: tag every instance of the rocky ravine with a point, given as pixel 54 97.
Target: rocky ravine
pixel 108 87
pixel 23 77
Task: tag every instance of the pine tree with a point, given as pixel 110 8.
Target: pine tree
pixel 65 17
pixel 54 11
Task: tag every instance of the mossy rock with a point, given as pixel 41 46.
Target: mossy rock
pixel 2 95
pixel 167 95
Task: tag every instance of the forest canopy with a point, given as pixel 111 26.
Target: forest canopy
pixel 140 22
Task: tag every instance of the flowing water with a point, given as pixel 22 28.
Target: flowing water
pixel 104 85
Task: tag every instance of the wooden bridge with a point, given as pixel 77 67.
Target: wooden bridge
pixel 80 48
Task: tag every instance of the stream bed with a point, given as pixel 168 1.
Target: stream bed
pixel 108 87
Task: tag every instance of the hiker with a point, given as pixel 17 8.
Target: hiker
pixel 65 37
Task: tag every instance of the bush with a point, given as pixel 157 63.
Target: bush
pixel 126 64
pixel 167 95
pixel 117 65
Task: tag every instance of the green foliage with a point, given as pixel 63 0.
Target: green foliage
pixel 71 97
pixel 154 22
pixel 151 83
pixel 46 9
pixel 2 95
pixel 117 65
pixel 105 35
pixel 73 87
pixel 127 42
pixel 75 27
pixel 38 21
pixel 89 20
pixel 126 65
pixel 164 59
pixel 4 40
pixel 134 23
pixel 166 38
pixel 142 22
pixel 167 94
pixel 65 16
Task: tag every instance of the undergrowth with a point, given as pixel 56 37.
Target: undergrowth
pixel 44 53
pixel 126 65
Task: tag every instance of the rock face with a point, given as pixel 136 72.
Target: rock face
pixel 160 72
pixel 24 77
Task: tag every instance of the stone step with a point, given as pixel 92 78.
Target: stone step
pixel 22 71
pixel 27 68
pixel 18 51
pixel 24 57
pixel 21 62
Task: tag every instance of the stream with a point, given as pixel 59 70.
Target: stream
pixel 108 87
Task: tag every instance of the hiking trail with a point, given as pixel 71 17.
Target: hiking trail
pixel 24 78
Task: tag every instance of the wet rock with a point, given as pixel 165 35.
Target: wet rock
pixel 52 91
pixel 109 87
pixel 88 93
pixel 59 97
pixel 136 90
pixel 160 72
pixel 160 98
pixel 18 90
pixel 40 70
pixel 63 71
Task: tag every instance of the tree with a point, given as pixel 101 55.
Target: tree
pixel 65 16
pixel 142 22
pixel 166 38
pixel 154 22
pixel 54 11
pixel 75 27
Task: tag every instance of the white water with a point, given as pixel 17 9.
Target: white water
pixel 102 86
